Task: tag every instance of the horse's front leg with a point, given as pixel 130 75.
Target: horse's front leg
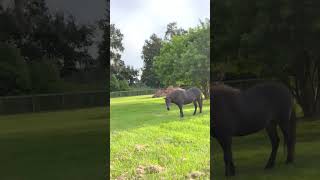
pixel 181 112
pixel 225 143
pixel 195 107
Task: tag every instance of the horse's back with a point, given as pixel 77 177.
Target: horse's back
pixel 273 94
pixel 195 91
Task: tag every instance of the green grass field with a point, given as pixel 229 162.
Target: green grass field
pixel 252 152
pixel 150 142
pixel 54 145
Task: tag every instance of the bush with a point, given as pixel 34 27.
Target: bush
pixel 45 76
pixel 118 85
pixel 114 83
pixel 123 85
pixel 14 74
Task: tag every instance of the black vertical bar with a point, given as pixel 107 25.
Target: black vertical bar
pixel 212 21
pixel 108 93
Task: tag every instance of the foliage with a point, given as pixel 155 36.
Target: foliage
pixel 272 39
pixel 173 30
pixel 49 81
pixel 121 76
pixel 37 33
pixel 14 73
pixel 185 59
pixel 118 85
pixel 150 49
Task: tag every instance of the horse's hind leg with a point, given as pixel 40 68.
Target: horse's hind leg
pixel 195 107
pixel 200 104
pixel 225 143
pixel 288 138
pixel 274 138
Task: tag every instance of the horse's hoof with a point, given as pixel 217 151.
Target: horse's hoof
pixel 230 174
pixel 269 166
pixel 289 161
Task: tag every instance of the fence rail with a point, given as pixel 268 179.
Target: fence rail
pixel 51 102
pixel 132 93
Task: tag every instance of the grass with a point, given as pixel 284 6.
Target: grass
pixel 252 152
pixel 54 145
pixel 145 135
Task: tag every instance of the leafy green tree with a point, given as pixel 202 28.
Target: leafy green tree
pixel 37 33
pixel 14 73
pixel 150 49
pixel 114 83
pixel 185 59
pixel 49 79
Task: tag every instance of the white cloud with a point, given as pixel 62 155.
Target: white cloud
pixel 138 19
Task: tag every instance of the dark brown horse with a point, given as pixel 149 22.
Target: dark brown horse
pixel 181 97
pixel 239 113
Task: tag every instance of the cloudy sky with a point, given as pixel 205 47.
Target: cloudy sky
pixel 138 19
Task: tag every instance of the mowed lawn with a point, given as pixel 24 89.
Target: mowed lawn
pixel 252 152
pixel 150 142
pixel 54 145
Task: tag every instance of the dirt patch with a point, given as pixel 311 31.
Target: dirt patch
pixel 140 147
pixel 123 176
pixel 195 175
pixel 150 169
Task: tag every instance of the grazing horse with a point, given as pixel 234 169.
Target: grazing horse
pixel 181 97
pixel 239 113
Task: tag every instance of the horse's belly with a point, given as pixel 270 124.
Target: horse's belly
pixel 249 127
pixel 246 132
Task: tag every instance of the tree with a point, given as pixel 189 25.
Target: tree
pixel 14 73
pixel 173 30
pixel 185 59
pixel 49 80
pixel 150 49
pixel 272 39
pixel 121 76
pixel 104 47
pixel 37 33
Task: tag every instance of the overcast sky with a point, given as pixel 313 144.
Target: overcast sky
pixel 138 19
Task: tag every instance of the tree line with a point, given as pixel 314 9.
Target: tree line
pixel 180 58
pixel 38 48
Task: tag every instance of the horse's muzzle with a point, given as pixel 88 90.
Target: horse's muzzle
pixel 168 108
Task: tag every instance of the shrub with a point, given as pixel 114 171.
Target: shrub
pixel 14 74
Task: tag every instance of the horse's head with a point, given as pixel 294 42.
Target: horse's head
pixel 168 102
